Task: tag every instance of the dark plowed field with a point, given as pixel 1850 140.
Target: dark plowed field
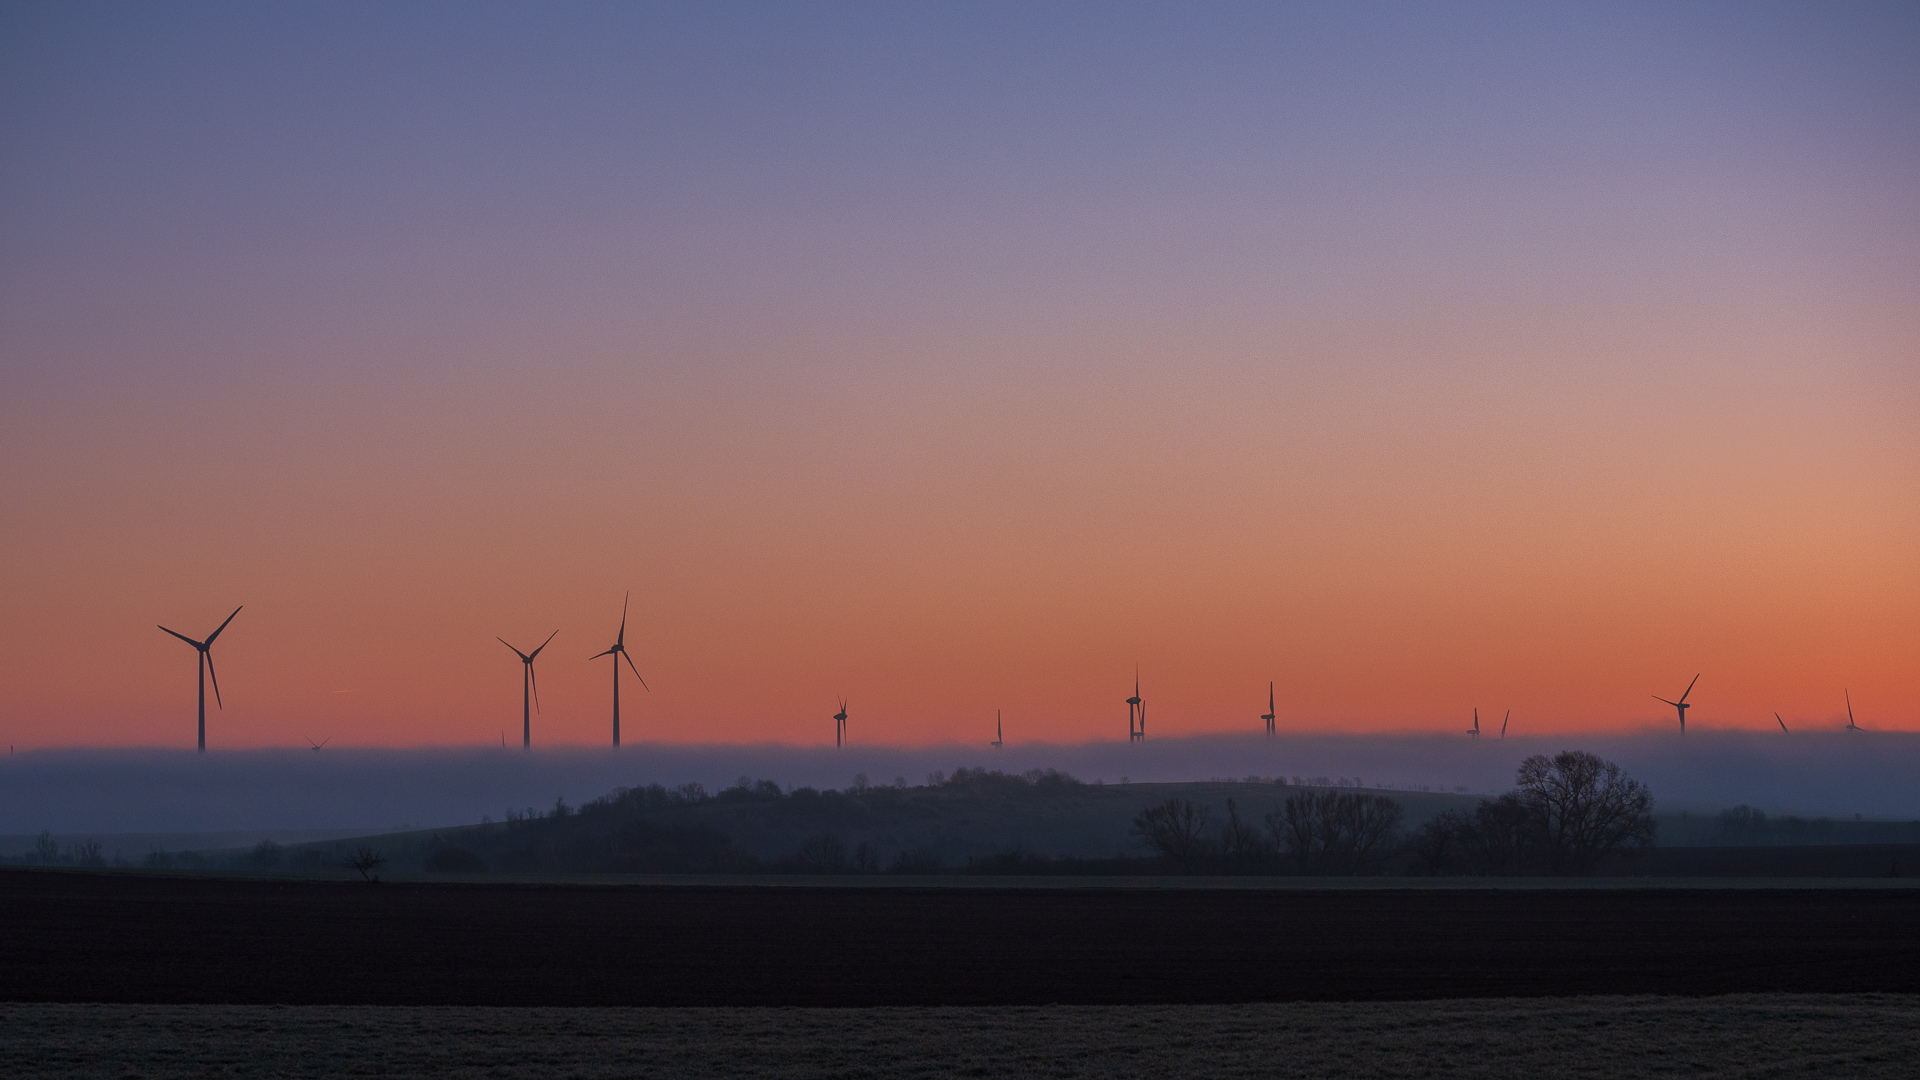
pixel 133 938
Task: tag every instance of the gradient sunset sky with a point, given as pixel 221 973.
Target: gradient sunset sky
pixel 957 357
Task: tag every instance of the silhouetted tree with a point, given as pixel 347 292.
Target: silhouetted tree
pixel 1241 843
pixel 264 856
pixel 1337 832
pixel 365 860
pixel 46 848
pixel 823 853
pixel 1175 828
pixel 1583 809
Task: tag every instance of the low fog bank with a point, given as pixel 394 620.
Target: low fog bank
pixel 147 791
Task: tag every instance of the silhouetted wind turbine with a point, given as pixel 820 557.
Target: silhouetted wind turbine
pixel 999 736
pixel 1851 726
pixel 1681 704
pixel 529 690
pixel 840 724
pixel 1783 723
pixel 619 652
pixel 206 668
pixel 1475 733
pixel 1268 715
pixel 318 745
pixel 1503 723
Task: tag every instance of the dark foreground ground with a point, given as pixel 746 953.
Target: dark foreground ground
pixel 1753 1035
pixel 134 938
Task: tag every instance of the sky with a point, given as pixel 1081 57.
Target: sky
pixel 953 358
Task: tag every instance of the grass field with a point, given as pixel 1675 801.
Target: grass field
pixel 1749 1035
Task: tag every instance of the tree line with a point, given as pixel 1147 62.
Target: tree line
pixel 1565 815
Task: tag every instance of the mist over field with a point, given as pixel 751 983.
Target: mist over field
pixel 145 791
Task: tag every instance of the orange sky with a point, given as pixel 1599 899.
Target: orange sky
pixel 1483 427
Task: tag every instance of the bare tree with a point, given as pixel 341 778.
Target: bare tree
pixel 823 853
pixel 366 861
pixel 1175 828
pixel 1336 832
pixel 1240 840
pixel 47 848
pixel 1583 809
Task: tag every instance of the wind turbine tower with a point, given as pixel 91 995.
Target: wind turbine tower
pixel 529 690
pixel 206 668
pixel 1268 715
pixel 1475 733
pixel 999 734
pixel 619 652
pixel 1136 711
pixel 840 724
pixel 1681 704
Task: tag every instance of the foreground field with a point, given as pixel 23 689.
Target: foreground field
pixel 105 937
pixel 1742 1035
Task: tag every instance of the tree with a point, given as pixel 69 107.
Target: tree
pixel 1583 809
pixel 1240 840
pixel 1175 828
pixel 1336 832
pixel 365 860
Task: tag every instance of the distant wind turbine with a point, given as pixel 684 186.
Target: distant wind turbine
pixel 1783 723
pixel 999 736
pixel 1503 723
pixel 1136 708
pixel 206 668
pixel 1851 726
pixel 1681 704
pixel 840 724
pixel 1268 715
pixel 317 745
pixel 619 652
pixel 1475 733
pixel 529 691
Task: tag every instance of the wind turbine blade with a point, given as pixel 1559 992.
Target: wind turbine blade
pixel 636 672
pixel 598 655
pixel 1503 723
pixel 181 636
pixel 543 645
pixel 216 679
pixel 326 740
pixel 1783 723
pixel 223 625
pixel 1683 697
pixel 534 681
pixel 1675 704
pixel 622 639
pixel 524 658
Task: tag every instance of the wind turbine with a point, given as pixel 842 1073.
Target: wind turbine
pixel 1503 723
pixel 206 668
pixel 1136 706
pixel 840 724
pixel 1851 726
pixel 1681 704
pixel 1268 715
pixel 618 652
pixel 999 736
pixel 529 691
pixel 1475 733
pixel 1783 723
pixel 317 745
